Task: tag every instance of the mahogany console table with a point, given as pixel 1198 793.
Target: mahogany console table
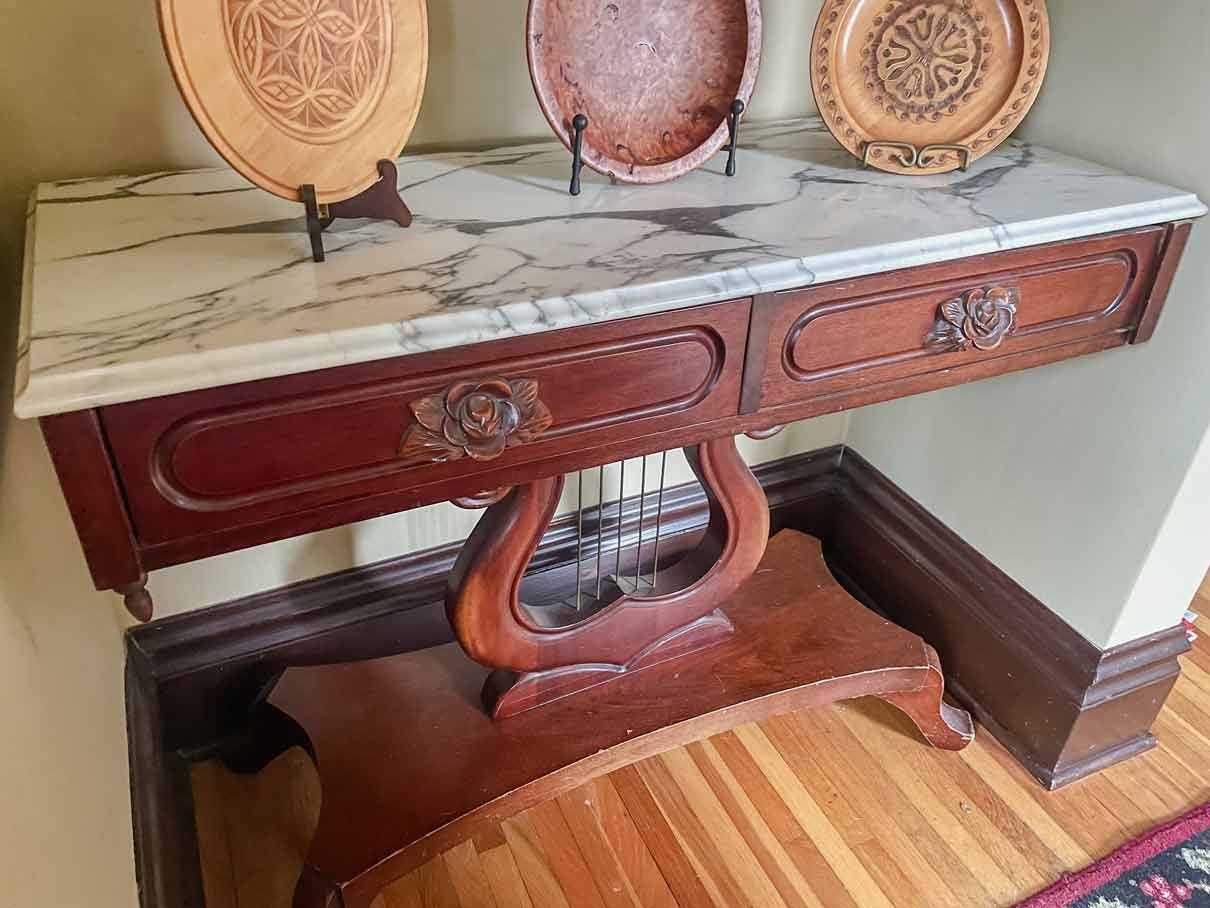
pixel 203 386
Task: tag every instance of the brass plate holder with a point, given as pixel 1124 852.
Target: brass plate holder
pixel 909 155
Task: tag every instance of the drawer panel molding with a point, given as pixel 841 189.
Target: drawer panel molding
pixel 842 339
pixel 251 454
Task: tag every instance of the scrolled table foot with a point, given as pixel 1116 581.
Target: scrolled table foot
pixel 943 726
pixel 267 734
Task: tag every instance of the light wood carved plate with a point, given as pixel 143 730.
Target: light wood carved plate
pixel 656 78
pixel 928 72
pixel 301 91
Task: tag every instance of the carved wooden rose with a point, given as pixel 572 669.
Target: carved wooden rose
pixel 979 318
pixel 477 419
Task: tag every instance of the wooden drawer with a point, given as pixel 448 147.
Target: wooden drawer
pixel 854 342
pixel 260 452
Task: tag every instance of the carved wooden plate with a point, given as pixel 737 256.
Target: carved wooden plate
pixel 301 91
pixel 656 78
pixel 927 73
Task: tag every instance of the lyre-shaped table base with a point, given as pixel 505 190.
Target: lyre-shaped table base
pixel 411 764
pixel 537 664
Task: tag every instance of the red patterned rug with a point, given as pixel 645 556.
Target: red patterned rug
pixel 1168 867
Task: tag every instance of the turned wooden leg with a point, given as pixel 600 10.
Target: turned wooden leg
pixel 943 726
pixel 137 599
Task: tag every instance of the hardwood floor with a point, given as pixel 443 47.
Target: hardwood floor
pixel 841 807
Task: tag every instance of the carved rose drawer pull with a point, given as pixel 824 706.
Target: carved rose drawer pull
pixel 979 318
pixel 478 419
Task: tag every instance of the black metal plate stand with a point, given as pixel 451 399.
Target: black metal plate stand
pixel 580 123
pixel 381 201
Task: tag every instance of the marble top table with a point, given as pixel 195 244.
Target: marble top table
pixel 137 287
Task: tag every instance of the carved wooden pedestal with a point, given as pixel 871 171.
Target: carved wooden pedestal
pixel 411 764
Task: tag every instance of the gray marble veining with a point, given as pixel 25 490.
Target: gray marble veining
pixel 152 285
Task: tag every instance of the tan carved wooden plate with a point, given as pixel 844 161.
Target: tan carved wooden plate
pixel 655 78
pixel 292 92
pixel 927 73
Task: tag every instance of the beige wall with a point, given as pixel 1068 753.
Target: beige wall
pixel 1087 481
pixel 84 90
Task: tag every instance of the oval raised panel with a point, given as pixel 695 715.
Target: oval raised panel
pixel 271 451
pixel 855 335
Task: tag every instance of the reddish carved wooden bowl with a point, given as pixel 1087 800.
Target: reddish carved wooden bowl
pixel 656 78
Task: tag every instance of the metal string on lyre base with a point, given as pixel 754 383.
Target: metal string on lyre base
pixel 640 578
pixel 630 626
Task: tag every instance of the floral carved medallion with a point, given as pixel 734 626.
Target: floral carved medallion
pixel 316 68
pixel 979 319
pixel 927 86
pixel 478 419
pixel 925 58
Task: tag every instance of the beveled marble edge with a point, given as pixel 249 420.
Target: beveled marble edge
pixel 25 316
pixel 116 384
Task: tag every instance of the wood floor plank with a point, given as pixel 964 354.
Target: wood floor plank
pixel 1183 742
pixel 1144 774
pixel 563 856
pixel 435 886
pixel 773 809
pixel 806 856
pixel 982 760
pixel 606 868
pixel 890 876
pixel 466 873
pixel 675 866
pixel 848 866
pixel 919 771
pixel 1195 712
pixel 1195 787
pixel 269 819
pixel 504 877
pixel 214 845
pixel 1196 678
pixel 1200 654
pixel 404 892
pixel 713 868
pixel 779 868
pixel 1003 816
pixel 827 886
pixel 540 880
pixel 920 853
pixel 971 877
pixel 648 886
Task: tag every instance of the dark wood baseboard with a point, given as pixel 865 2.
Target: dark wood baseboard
pixel 161 797
pixel 1062 706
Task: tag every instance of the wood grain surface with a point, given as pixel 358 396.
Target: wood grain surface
pixel 410 764
pixel 292 92
pixel 837 807
pixel 928 72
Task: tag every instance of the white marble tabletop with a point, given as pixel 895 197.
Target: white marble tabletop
pixel 136 287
